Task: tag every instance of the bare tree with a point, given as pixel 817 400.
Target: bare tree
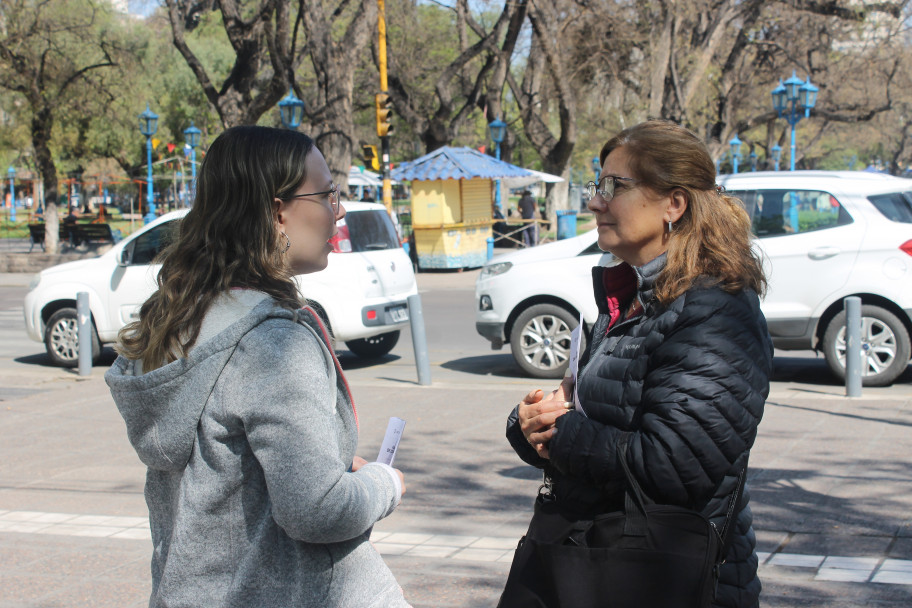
pixel 263 39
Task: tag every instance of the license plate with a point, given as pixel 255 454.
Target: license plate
pixel 399 313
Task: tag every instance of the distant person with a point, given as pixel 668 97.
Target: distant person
pixel 233 398
pixel 527 208
pixel 674 375
pixel 368 196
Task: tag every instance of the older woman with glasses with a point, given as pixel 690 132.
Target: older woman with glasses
pixel 233 398
pixel 676 368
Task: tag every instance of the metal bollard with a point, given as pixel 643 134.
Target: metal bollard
pixel 84 332
pixel 490 248
pixel 854 353
pixel 419 340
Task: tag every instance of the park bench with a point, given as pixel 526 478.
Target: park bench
pixel 93 233
pixel 37 232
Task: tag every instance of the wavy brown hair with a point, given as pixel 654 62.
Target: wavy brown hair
pixel 712 240
pixel 228 239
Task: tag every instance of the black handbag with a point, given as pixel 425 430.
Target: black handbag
pixel 646 556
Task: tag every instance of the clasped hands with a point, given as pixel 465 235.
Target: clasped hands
pixel 538 413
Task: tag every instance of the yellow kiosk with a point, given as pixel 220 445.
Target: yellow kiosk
pixel 452 195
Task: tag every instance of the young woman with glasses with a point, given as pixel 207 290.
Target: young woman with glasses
pixel 234 400
pixel 676 367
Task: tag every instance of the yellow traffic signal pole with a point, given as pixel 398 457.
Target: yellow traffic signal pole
pixel 381 131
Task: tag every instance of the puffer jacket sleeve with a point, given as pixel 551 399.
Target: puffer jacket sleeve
pixel 703 391
pixel 285 394
pixel 518 441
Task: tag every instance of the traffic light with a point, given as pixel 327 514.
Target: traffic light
pixel 370 157
pixel 384 114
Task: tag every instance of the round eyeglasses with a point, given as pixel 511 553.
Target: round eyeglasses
pixel 333 194
pixel 606 186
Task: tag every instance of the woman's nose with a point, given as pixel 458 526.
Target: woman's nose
pixel 596 203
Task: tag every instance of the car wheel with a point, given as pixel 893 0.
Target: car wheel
pixel 884 340
pixel 61 338
pixel 540 340
pixel 375 346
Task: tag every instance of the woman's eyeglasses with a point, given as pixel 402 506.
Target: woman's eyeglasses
pixel 606 187
pixel 333 197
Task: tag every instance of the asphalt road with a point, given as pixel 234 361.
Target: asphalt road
pixel 831 478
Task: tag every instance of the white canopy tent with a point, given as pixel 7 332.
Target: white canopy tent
pixel 536 177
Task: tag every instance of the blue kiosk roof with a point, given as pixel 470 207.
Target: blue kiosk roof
pixel 456 163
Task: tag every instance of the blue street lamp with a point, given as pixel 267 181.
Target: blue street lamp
pixel 192 139
pixel 11 173
pixel 291 110
pixel 597 167
pixel 793 100
pixel 777 154
pixel 498 130
pixel 735 145
pixel 148 125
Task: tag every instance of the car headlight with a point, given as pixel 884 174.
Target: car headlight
pixel 492 270
pixel 34 282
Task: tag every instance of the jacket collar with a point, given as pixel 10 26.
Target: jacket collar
pixel 646 276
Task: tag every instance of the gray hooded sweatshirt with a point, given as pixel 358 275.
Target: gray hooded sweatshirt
pixel 248 442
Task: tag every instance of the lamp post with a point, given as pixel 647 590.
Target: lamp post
pixel 498 130
pixel 11 173
pixel 148 125
pixel 291 110
pixel 777 154
pixel 793 100
pixel 597 167
pixel 192 139
pixel 735 145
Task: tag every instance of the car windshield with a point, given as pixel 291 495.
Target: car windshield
pixel 895 206
pixel 371 230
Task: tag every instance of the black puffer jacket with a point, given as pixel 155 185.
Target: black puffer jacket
pixel 688 383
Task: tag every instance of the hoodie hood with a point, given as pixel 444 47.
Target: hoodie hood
pixel 162 408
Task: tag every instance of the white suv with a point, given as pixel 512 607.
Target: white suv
pixel 361 294
pixel 823 235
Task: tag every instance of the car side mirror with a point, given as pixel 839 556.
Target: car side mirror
pixel 126 255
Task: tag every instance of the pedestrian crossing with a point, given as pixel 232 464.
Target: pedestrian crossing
pixel 864 569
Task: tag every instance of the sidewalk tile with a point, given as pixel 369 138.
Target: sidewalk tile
pixel 21 515
pixel 407 538
pixel 893 577
pixel 896 565
pixel 492 542
pixel 54 518
pixel 385 548
pixel 451 540
pixel 479 555
pixel 850 563
pixel 25 527
pixel 792 559
pixel 842 575
pixel 134 534
pixel 431 551
pixel 91 520
pixel 127 522
pixel 762 556
pixel 376 536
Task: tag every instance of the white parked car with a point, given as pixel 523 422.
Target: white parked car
pixel 362 294
pixel 823 235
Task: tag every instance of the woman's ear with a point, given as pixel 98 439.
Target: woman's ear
pixel 677 205
pixel 278 209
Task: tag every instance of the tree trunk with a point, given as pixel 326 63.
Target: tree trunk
pixel 42 123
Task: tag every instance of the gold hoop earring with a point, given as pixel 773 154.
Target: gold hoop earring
pixel 287 243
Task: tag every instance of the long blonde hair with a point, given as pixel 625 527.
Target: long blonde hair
pixel 712 240
pixel 227 239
